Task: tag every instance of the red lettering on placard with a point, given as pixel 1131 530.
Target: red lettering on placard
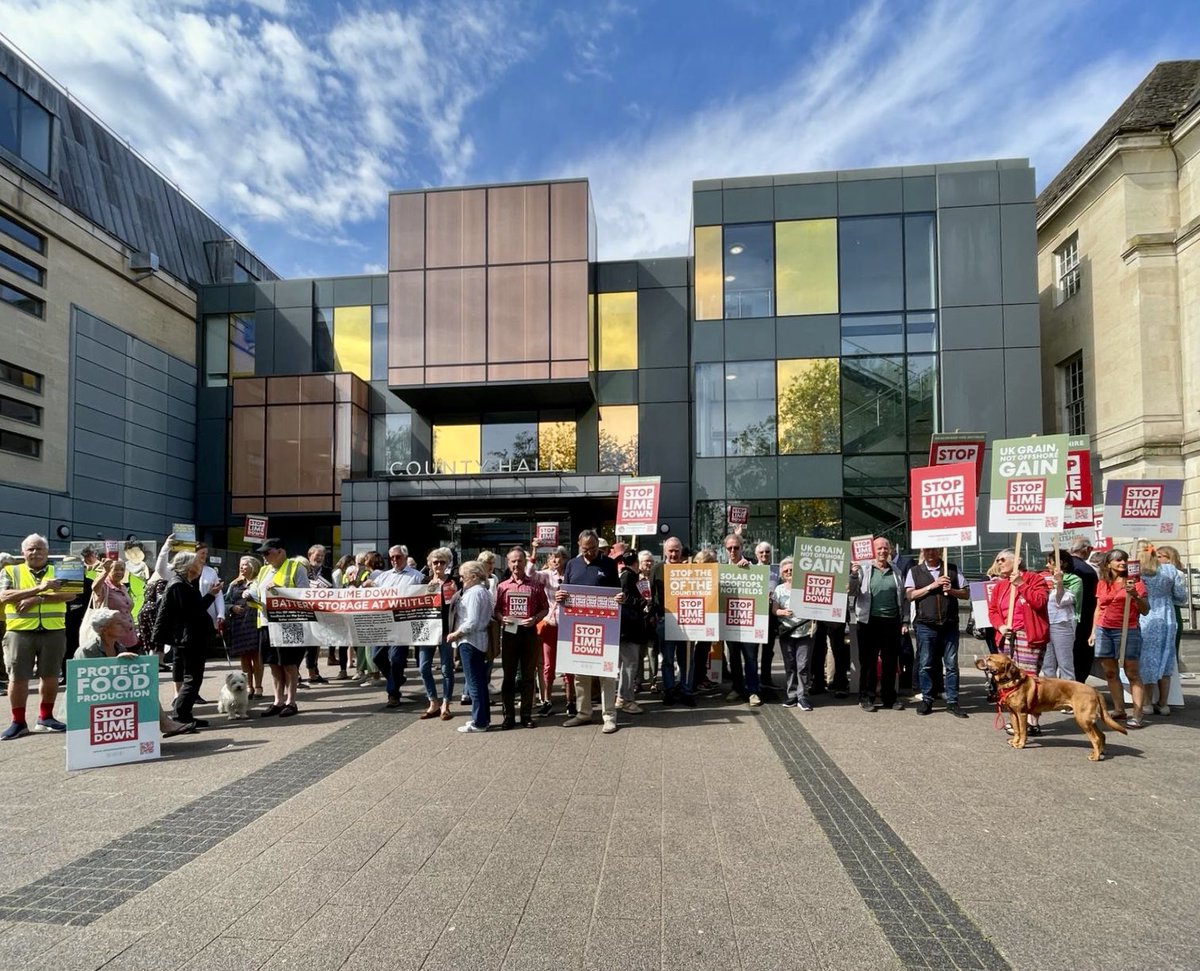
pixel 690 611
pixel 113 723
pixel 950 453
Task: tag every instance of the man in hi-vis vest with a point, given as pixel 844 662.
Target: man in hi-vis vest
pixel 35 615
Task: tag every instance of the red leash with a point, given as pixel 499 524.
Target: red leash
pixel 1003 693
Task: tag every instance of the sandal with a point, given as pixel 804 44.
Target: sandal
pixel 446 716
pixel 428 713
pixel 1034 730
pixel 1133 723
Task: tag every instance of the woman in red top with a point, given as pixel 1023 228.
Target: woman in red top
pixel 1023 634
pixel 1116 588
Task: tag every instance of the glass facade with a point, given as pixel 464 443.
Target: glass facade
pixel 618 337
pixel 806 266
pixel 391 442
pixel 24 127
pixel 618 438
pixel 518 445
pixel 749 276
pixel 228 348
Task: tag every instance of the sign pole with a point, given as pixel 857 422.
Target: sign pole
pixel 1125 619
pixel 1012 587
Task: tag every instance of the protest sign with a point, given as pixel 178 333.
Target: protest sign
pixel 862 548
pixel 112 549
pixel 185 538
pixel 942 500
pixel 589 631
pixel 1143 508
pixel 820 579
pixel 738 515
pixel 1079 484
pixel 744 593
pixel 255 528
pixel 71 575
pixel 1028 484
pixel 953 448
pixel 980 591
pixel 1102 541
pixel 547 534
pixel 112 711
pixel 637 506
pixel 692 602
pixel 354 616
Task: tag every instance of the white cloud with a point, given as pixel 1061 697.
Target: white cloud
pixel 958 81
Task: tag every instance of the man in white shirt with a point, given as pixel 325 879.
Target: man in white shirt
pixel 392 659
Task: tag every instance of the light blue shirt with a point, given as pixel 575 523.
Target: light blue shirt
pixel 473 614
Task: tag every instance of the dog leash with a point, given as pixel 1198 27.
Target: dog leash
pixel 1003 693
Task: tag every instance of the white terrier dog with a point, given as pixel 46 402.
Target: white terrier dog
pixel 234 699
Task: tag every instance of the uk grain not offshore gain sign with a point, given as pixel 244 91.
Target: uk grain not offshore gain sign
pixel 112 711
pixel 1029 484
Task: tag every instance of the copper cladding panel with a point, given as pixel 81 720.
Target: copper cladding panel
pixel 532 371
pixel 568 311
pixel 247 450
pixel 406 231
pixel 569 221
pixel 406 319
pixel 455 316
pixel 455 228
pixel 519 313
pixel 249 391
pixel 518 224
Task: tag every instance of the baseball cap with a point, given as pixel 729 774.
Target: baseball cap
pixel 274 543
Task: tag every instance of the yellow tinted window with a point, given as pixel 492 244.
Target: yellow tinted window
pixel 808 406
pixel 806 267
pixel 556 446
pixel 710 298
pixel 456 446
pixel 352 340
pixel 619 439
pixel 618 331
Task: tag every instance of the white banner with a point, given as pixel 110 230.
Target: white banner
pixel 354 617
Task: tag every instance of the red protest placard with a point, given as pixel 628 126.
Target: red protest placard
pixel 943 505
pixel 637 506
pixel 951 448
pixel 1079 484
pixel 738 515
pixel 547 534
pixel 862 548
pixel 255 528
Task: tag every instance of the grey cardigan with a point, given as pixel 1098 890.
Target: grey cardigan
pixel 860 589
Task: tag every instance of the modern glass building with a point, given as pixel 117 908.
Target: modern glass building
pixel 796 361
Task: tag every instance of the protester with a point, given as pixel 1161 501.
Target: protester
pixel 183 621
pixel 1017 610
pixel 316 563
pixel 108 590
pixel 934 589
pixel 632 633
pixel 1167 589
pixel 795 641
pixel 1062 609
pixel 35 617
pixel 702 651
pixel 762 556
pixel 243 625
pixel 6 559
pixel 279 570
pixel 590 569
pixel 648 662
pixel 743 658
pixel 551 578
pixel 829 637
pixel 1083 652
pixel 442 583
pixel 1120 598
pixel 676 687
pixel 1168 554
pixel 77 608
pixel 392 659
pixel 520 604
pixel 473 613
pixel 881 608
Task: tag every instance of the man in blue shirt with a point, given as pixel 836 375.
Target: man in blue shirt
pixel 590 569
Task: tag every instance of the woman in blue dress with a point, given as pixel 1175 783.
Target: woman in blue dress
pixel 1166 587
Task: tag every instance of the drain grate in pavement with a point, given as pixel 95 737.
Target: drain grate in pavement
pixel 921 921
pixel 87 888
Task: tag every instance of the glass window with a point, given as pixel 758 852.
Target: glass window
pixel 1066 269
pixel 507 443
pixel 875 475
pixel 241 345
pixel 20 410
pixel 808 406
pixel 922 332
pixel 870 251
pixel 22 300
pixel 26 237
pixel 392 442
pixel 709 289
pixel 18 377
pixel 922 400
pixel 1074 410
pixel 20 444
pixel 710 410
pixel 920 262
pixel 10 260
pixel 750 408
pixel 456 447
pixel 352 340
pixel 216 351
pixel 10 116
pixel 556 446
pixel 876 514
pixel 379 342
pixel 749 270
pixel 322 341
pixel 35 134
pixel 873 404
pixel 618 434
pixel 808 517
pixel 618 331
pixel 876 334
pixel 806 266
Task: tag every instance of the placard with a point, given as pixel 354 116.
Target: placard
pixel 1028 484
pixel 738 515
pixel 744 595
pixel 862 548
pixel 942 501
pixel 185 538
pixel 691 594
pixel 980 592
pixel 637 506
pixel 820 579
pixel 1079 500
pixel 112 549
pixel 354 616
pixel 255 528
pixel 1143 508
pixel 71 575
pixel 547 534
pixel 589 631
pixel 112 711
pixel 954 448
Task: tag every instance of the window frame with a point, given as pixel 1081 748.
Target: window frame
pixel 1074 409
pixel 39 304
pixel 24 101
pixel 8 225
pixel 7 435
pixel 38 411
pixel 8 366
pixel 1067 270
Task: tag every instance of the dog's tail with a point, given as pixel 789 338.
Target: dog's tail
pixel 1108 719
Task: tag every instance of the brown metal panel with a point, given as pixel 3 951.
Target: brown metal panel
pixel 519 312
pixel 530 371
pixel 282 504
pixel 317 387
pixel 405 376
pixel 406 231
pixel 315 454
pixel 314 503
pixel 568 369
pixel 472 373
pixel 406 319
pixel 455 230
pixel 474 221
pixel 568 311
pixel 283 449
pixel 283 390
pixel 247 506
pixel 569 221
pixel 455 318
pixel 518 224
pixel 248 452
pixel 249 391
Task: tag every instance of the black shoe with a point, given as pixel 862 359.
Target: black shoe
pixel 867 705
pixel 317 679
pixel 271 712
pixel 925 708
pixel 528 723
pixel 199 722
pixel 1034 730
pixel 956 711
pixel 897 706
pixel 301 683
pixel 572 709
pixel 544 709
pixel 669 699
pixel 817 690
pixel 840 693
pixel 202 701
pixel 689 701
pixel 507 724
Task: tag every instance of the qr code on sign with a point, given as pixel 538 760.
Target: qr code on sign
pixel 291 634
pixel 146 748
pixel 420 631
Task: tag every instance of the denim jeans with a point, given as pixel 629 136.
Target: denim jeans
pixel 391 661
pixel 937 645
pixel 797 661
pixel 628 656
pixel 750 672
pixel 474 665
pixel 446 656
pixel 670 651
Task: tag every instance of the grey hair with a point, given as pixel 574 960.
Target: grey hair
pixel 473 568
pixel 786 561
pixel 442 553
pixel 1079 542
pixel 36 538
pixel 759 545
pixel 7 559
pixel 182 561
pixel 101 618
pixel 589 534
pixel 561 551
pixel 254 561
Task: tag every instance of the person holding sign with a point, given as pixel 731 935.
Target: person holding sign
pixel 590 569
pixel 520 604
pixel 682 688
pixel 473 615
pixel 935 587
pixel 795 640
pixel 183 622
pixel 1066 590
pixel 1120 601
pixel 1018 612
pixel 880 606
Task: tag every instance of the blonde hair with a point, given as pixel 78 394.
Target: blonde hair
pixel 474 569
pixel 705 556
pixel 486 556
pixel 1147 559
pixel 1172 556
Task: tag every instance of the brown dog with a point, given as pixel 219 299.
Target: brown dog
pixel 1023 694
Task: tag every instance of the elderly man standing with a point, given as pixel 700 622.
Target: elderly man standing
pixel 392 659
pixel 687 654
pixel 590 569
pixel 762 557
pixel 35 616
pixel 279 571
pixel 520 604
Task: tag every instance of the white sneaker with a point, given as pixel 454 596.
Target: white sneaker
pixel 576 720
pixel 755 701
pixel 631 706
pixel 733 696
pixel 610 726
pixel 620 705
pixel 470 729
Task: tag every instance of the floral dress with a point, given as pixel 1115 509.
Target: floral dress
pixel 1166 588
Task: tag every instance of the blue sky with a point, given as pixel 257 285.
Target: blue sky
pixel 289 121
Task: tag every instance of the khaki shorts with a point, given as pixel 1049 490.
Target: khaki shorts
pixel 24 647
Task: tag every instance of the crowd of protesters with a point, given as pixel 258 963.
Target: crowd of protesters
pixel 901 629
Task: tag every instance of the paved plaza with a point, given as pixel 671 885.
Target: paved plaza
pixel 356 838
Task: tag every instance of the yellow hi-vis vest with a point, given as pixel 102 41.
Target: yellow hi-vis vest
pixel 285 576
pixel 46 616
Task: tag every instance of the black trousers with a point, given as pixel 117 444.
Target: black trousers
pixel 737 672
pixel 191 660
pixel 310 658
pixel 1082 651
pixel 827 637
pixel 519 657
pixel 878 642
pixel 766 658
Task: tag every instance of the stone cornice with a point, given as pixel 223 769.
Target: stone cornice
pixel 1125 143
